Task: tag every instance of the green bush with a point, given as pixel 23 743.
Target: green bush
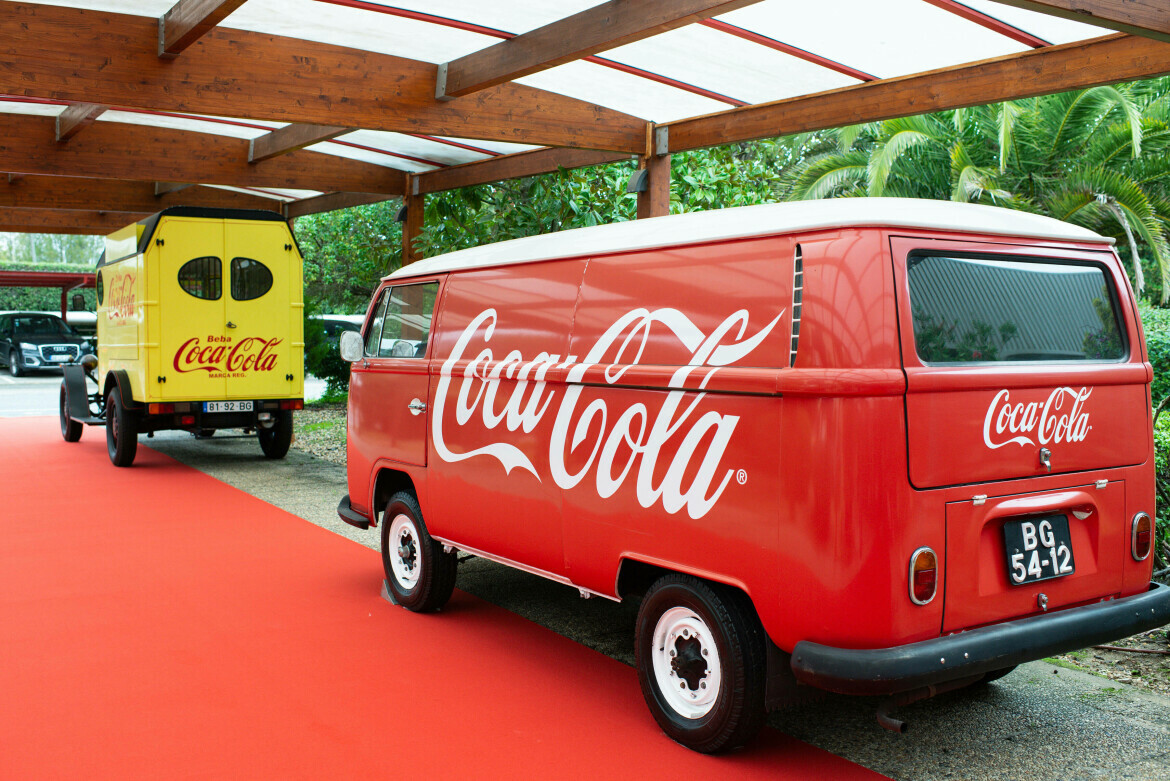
pixel 1156 322
pixel 322 358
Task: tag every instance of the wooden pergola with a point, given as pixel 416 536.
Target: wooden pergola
pixel 66 71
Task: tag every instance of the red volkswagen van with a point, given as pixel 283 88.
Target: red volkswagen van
pixel 873 446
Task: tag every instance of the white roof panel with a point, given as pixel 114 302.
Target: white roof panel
pixel 748 221
pixel 432 151
pixel 1053 29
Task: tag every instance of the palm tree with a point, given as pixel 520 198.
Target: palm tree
pixel 1098 157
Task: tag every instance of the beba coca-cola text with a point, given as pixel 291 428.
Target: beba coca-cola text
pixel 247 355
pixel 1042 420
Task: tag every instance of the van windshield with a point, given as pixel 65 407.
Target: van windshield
pixel 999 310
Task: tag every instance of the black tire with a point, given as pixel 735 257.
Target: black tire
pixel 275 441
pixel 15 364
pixel 680 619
pixel 205 433
pixel 70 428
pixel 121 430
pixel 419 574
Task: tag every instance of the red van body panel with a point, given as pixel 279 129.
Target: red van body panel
pixel 664 406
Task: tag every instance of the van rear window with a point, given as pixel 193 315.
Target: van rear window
pixel 1001 310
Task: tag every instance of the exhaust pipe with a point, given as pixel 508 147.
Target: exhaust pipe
pixel 914 695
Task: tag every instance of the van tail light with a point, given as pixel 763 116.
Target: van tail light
pixel 292 404
pixel 1141 536
pixel 160 409
pixel 923 576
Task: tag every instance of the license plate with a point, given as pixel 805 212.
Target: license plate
pixel 227 406
pixel 1038 549
pixel 59 358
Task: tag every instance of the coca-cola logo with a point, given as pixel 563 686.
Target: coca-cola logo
pixel 121 299
pixel 219 355
pixel 1059 418
pixel 635 442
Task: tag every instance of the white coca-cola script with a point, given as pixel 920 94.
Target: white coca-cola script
pixel 635 431
pixel 1060 418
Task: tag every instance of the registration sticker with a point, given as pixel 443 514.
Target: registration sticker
pixel 1038 549
pixel 227 406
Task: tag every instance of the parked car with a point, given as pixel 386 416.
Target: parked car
pixel 334 325
pixel 37 340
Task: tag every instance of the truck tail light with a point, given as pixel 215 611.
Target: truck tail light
pixel 160 409
pixel 187 420
pixel 923 576
pixel 292 404
pixel 1141 536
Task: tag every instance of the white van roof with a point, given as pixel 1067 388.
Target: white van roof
pixel 748 221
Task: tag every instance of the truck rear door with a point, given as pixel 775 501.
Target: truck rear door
pixel 1022 363
pixel 190 308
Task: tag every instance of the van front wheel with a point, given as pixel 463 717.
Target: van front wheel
pixel 121 430
pixel 419 574
pixel 700 654
pixel 274 441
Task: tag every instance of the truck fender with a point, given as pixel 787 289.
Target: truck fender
pixel 76 392
pixel 122 380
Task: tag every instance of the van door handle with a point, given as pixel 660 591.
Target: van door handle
pixel 230 324
pixel 416 407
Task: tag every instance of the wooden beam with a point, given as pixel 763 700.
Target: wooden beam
pixel 1037 72
pixel 331 202
pixel 76 118
pixel 594 30
pixel 290 138
pixel 97 57
pixel 415 204
pixel 1148 18
pixel 190 20
pixel 654 200
pixel 73 222
pixel 162 188
pixel 66 192
pixel 115 151
pixel 497 169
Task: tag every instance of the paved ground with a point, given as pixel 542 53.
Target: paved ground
pixel 1041 722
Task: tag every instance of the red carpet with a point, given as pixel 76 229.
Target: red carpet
pixel 157 623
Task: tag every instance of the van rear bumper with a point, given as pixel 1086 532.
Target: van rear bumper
pixel 978 651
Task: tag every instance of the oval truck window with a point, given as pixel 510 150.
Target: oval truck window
pixel 101 289
pixel 250 279
pixel 202 278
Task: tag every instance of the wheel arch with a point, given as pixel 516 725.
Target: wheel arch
pixel 120 378
pixel 389 482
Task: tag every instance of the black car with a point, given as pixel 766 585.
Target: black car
pixel 36 340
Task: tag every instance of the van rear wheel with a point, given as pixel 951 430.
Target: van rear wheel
pixel 700 654
pixel 275 441
pixel 70 428
pixel 121 430
pixel 419 574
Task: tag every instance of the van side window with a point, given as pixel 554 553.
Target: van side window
pixel 250 279
pixel 408 321
pixel 998 309
pixel 202 278
pixel 374 335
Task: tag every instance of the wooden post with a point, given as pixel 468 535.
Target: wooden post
pixel 412 221
pixel 654 200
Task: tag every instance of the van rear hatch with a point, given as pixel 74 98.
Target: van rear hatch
pixel 1020 362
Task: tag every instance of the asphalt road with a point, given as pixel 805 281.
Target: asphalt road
pixel 1041 722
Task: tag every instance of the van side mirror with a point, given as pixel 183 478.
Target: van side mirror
pixel 351 346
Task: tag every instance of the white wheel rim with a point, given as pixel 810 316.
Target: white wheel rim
pixel 404 552
pixel 683 643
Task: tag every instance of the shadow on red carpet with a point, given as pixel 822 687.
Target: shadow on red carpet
pixel 157 623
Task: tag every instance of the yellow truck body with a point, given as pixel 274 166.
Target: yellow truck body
pixel 200 324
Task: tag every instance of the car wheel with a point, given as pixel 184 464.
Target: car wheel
pixel 700 654
pixel 419 574
pixel 70 428
pixel 15 364
pixel 275 441
pixel 121 430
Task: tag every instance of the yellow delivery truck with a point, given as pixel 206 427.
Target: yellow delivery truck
pixel 199 328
